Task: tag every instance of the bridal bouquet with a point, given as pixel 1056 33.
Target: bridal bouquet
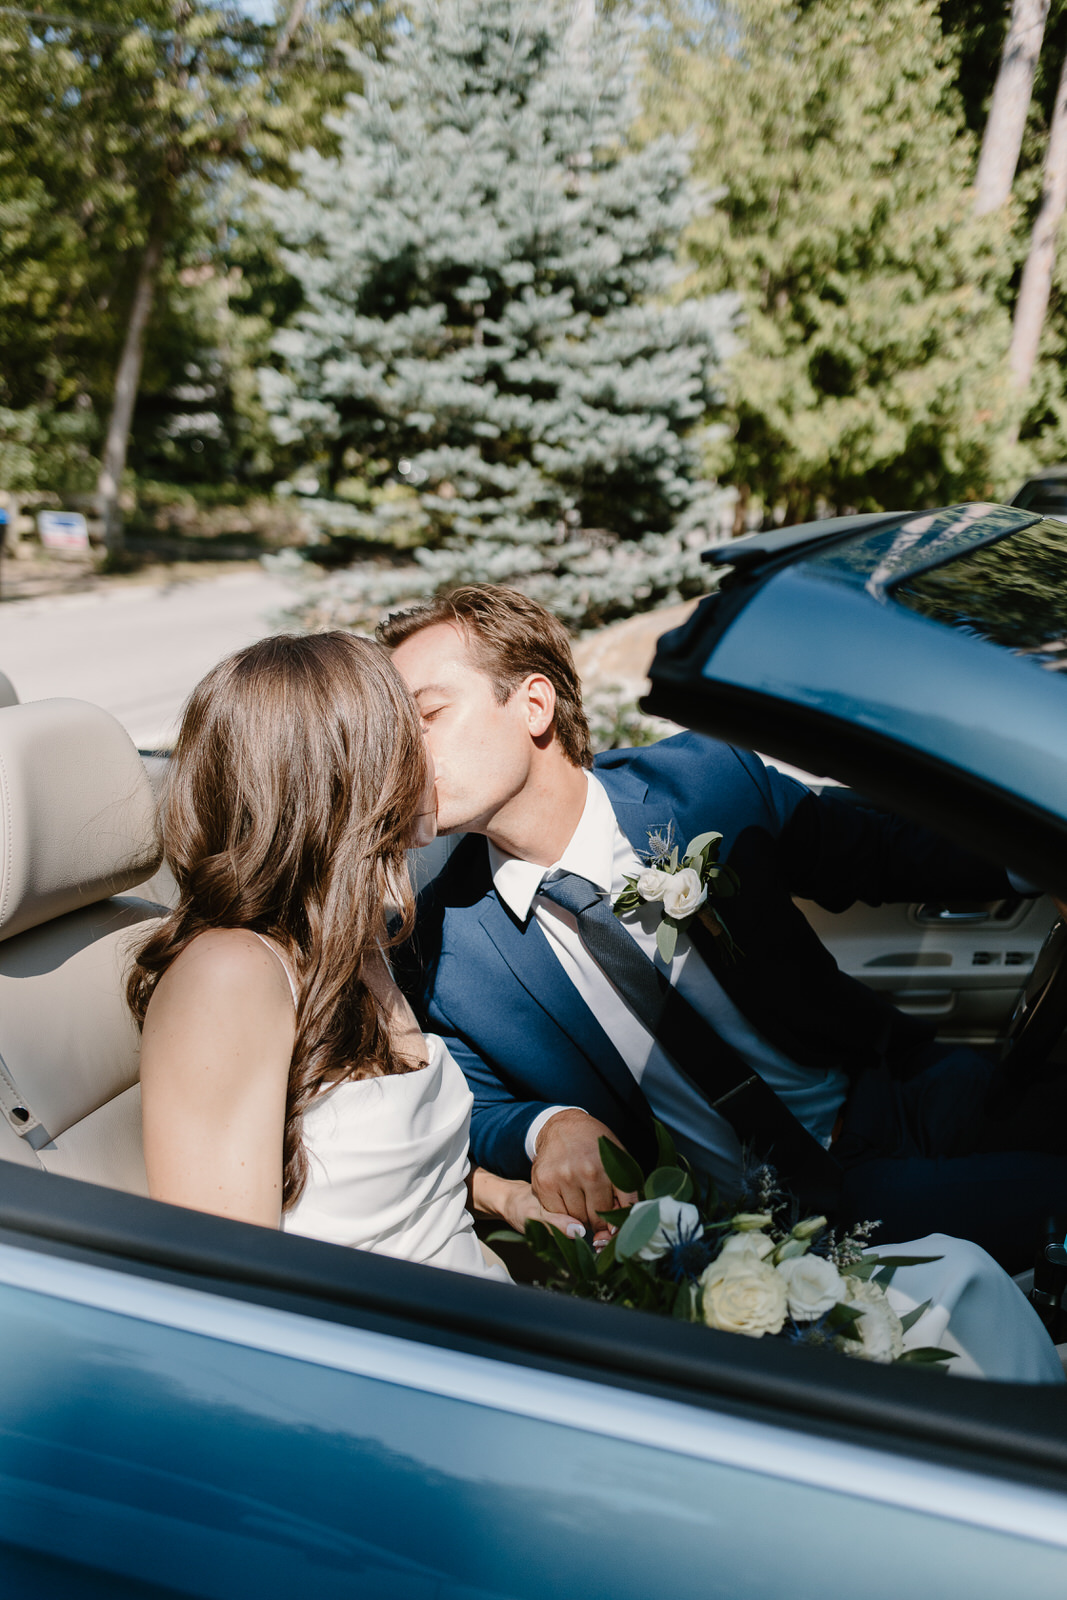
pixel 682 1253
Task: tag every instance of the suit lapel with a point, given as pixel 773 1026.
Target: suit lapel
pixel 528 954
pixel 638 813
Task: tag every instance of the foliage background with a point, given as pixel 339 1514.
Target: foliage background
pixel 807 316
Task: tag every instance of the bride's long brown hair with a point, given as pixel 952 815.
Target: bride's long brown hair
pixel 290 799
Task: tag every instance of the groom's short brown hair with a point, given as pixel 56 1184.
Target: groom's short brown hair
pixel 509 637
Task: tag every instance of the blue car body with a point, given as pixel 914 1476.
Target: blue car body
pixel 193 1406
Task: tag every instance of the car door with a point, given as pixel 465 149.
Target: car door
pixel 197 1407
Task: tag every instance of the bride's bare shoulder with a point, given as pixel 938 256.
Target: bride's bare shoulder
pixel 230 965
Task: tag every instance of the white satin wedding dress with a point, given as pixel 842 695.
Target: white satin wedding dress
pixel 387 1165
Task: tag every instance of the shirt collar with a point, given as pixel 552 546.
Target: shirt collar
pixel 590 854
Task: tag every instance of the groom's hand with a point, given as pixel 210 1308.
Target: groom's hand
pixel 568 1174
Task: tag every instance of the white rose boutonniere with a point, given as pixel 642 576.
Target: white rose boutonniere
pixel 684 884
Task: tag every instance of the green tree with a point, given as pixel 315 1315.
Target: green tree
pixel 487 340
pixel 121 126
pixel 873 370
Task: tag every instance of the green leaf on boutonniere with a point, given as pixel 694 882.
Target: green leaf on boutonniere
pixel 620 1167
pixel 628 900
pixel 699 846
pixel 667 937
pixel 925 1356
pixel 506 1236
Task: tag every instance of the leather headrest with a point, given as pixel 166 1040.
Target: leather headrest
pixel 8 697
pixel 77 815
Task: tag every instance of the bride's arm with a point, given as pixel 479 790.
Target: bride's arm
pixel 513 1201
pixel 218 1039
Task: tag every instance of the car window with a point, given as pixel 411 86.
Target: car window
pixel 1048 495
pixel 1012 593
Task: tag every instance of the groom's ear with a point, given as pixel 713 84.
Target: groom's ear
pixel 540 697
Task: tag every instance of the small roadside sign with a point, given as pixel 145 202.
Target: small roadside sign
pixel 63 530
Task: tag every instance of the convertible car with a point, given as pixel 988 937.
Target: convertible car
pixel 197 1407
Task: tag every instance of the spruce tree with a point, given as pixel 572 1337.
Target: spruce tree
pixel 487 353
pixel 875 331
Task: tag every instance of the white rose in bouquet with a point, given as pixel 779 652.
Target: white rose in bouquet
pixel 755 1245
pixel 677 1221
pixel 812 1285
pixel 651 883
pixel 741 1294
pixel 684 893
pixel 881 1336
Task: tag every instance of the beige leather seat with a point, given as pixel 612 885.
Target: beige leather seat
pixel 8 697
pixel 77 828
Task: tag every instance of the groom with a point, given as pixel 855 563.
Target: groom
pixel 570 1026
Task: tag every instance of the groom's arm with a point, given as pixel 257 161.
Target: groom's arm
pixel 499 1122
pixel 835 852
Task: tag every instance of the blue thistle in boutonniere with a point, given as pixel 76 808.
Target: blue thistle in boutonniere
pixel 684 885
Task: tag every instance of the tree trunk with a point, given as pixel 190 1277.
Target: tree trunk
pixel 127 380
pixel 285 37
pixel 1011 101
pixel 1036 283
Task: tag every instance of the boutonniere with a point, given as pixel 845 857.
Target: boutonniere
pixel 684 885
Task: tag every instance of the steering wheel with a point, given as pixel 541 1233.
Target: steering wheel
pixel 1040 1016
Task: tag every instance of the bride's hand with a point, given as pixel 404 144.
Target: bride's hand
pixel 515 1202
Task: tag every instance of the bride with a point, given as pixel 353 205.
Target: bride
pixel 284 1079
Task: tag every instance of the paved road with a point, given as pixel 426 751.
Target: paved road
pixel 136 650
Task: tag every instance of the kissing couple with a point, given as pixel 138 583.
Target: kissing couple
pixel 322 1055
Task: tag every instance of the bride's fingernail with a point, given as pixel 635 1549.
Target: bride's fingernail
pixel 575 1231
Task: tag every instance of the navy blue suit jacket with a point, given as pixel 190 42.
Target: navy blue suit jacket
pixel 492 987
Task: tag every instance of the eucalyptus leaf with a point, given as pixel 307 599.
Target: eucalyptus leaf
pixel 696 846
pixel 606 1258
pixel 899 1261
pixel 668 1183
pixel 792 1248
pixel 912 1317
pixel 666 1154
pixel 621 1168
pixel 585 1259
pixel 636 1232
pixel 667 937
pixel 507 1236
pixel 925 1356
pixel 841 1317
pixel 616 1218
pixel 862 1269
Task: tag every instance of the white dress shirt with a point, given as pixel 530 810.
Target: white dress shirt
pixel 600 852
